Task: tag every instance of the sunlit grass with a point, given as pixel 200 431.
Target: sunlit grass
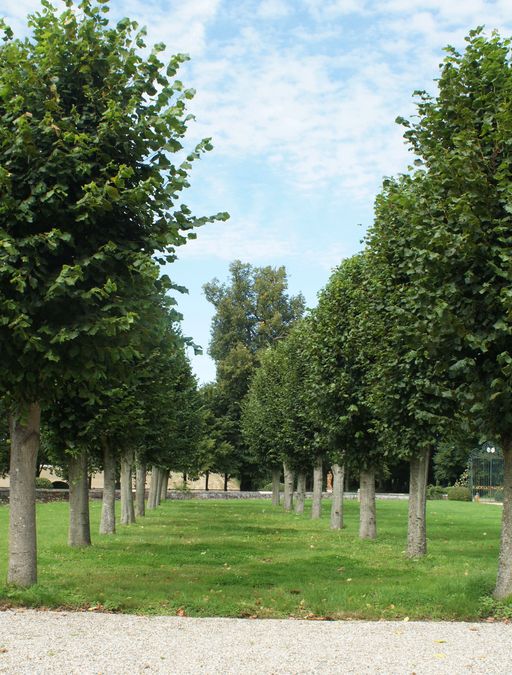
pixel 247 558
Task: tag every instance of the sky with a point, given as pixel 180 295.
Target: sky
pixel 300 99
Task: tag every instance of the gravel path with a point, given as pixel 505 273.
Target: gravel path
pixel 66 642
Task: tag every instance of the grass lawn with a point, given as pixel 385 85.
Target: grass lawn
pixel 246 558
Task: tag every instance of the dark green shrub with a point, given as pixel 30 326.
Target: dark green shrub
pixel 435 492
pixel 43 484
pixel 459 494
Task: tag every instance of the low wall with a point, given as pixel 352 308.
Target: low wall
pixel 97 493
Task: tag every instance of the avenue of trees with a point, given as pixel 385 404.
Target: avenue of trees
pixel 92 354
pixel 407 354
pixel 409 349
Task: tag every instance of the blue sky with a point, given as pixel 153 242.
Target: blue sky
pixel 300 98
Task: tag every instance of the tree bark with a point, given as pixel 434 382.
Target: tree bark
pixel 504 579
pixel 301 492
pixel 158 486
pixel 338 476
pixel 289 479
pixel 276 485
pixel 108 504
pixel 153 488
pixel 79 531
pixel 127 508
pixel 206 479
pixel 164 484
pixel 140 489
pixel 226 478
pixel 24 426
pixel 367 517
pixel 318 476
pixel 417 524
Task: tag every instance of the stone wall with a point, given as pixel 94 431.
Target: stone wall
pixel 97 493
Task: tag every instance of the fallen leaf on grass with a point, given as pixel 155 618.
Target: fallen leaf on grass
pixel 180 612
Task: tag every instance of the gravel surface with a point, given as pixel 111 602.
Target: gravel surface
pixel 67 642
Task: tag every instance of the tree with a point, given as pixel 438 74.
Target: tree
pixel 343 349
pixel 217 454
pixel 412 415
pixel 301 450
pixel 262 419
pixel 89 194
pixel 463 255
pixel 252 312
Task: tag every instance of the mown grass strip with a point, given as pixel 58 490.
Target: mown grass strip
pixel 247 558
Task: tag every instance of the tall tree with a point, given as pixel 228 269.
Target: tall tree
pixel 252 312
pixel 262 416
pixel 463 242
pixel 413 417
pixel 343 351
pixel 89 194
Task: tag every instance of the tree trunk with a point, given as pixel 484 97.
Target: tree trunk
pixel 301 492
pixel 226 478
pixel 164 484
pixel 158 486
pixel 108 504
pixel 152 502
pixel 338 476
pixel 79 531
pixel 140 489
pixel 504 580
pixel 24 428
pixel 367 517
pixel 127 508
pixel 206 479
pixel 318 476
pixel 289 479
pixel 276 485
pixel 417 525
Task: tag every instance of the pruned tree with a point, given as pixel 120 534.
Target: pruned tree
pixel 88 126
pixel 343 351
pixel 462 243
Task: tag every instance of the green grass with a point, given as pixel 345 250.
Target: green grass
pixel 247 558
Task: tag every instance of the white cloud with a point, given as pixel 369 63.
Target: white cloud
pixel 273 9
pixel 314 100
pixel 182 26
pixel 328 9
pixel 253 242
pixel 249 241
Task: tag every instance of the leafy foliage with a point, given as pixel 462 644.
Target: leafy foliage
pixel 252 312
pixel 342 351
pixel 89 193
pixel 462 230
